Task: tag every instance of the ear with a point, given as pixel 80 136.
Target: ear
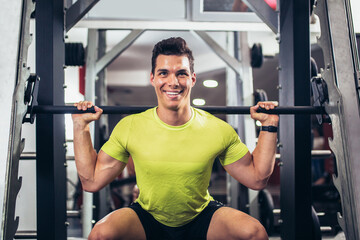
pixel 152 79
pixel 193 78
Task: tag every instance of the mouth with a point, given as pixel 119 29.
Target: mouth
pixel 173 94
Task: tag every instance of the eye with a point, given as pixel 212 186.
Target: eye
pixel 162 73
pixel 182 74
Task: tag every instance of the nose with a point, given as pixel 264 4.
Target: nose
pixel 173 81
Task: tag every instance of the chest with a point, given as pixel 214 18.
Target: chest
pixel 191 151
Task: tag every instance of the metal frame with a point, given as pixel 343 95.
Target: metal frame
pixel 101 129
pixel 246 123
pixel 172 25
pixel 239 93
pixel 198 14
pixel 294 135
pixel 232 62
pixel 90 79
pixel 12 182
pixel 342 75
pixel 294 89
pixel 77 11
pixel 264 12
pixel 50 129
pixel 110 56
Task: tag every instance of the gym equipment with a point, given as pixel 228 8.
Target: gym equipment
pixel 266 206
pixel 316 224
pixel 260 96
pixel 320 96
pixel 334 16
pixel 257 56
pixel 268 212
pixel 136 109
pixel 341 74
pixel 74 54
pixel 20 36
pixel 315 154
pixel 319 91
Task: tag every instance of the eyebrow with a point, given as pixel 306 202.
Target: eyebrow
pixel 182 70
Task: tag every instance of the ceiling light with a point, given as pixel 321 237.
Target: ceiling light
pixel 210 83
pixel 198 102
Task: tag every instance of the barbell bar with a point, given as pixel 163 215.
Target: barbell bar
pixel 46 109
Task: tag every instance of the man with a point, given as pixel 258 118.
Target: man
pixel 173 147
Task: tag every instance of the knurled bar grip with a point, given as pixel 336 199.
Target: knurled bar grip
pixel 211 109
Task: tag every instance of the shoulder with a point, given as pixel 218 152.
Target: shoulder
pixel 204 114
pixel 125 121
pixel 135 117
pixel 211 119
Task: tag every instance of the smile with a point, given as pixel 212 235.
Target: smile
pixel 173 94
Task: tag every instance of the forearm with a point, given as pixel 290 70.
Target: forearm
pixel 264 155
pixel 85 154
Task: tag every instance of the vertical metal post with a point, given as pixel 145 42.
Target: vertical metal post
pixel 90 76
pixel 50 129
pixel 233 92
pixel 248 123
pixel 101 127
pixel 239 93
pixel 294 80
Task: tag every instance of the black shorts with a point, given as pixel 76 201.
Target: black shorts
pixel 194 230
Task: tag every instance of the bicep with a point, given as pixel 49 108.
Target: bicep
pixel 242 170
pixel 107 168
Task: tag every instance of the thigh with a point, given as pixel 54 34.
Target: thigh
pixel 229 223
pixel 198 228
pixel 120 224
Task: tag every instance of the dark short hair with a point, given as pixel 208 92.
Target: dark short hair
pixel 172 46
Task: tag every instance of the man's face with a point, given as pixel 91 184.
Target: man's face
pixel 173 80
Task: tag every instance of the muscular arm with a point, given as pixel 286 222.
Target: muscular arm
pixel 94 170
pixel 254 170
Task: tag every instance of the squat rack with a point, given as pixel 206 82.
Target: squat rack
pixel 296 61
pixel 294 90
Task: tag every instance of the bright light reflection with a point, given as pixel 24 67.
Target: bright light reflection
pixel 258 123
pixel 210 83
pixel 198 102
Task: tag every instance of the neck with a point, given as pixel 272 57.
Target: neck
pixel 174 117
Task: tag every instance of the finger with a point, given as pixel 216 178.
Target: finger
pixel 268 105
pixel 253 109
pixel 261 104
pixel 97 109
pixel 89 104
pixel 79 105
pixel 98 112
pixel 86 105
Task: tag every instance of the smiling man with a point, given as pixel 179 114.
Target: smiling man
pixel 173 147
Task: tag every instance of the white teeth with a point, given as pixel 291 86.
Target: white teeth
pixel 172 93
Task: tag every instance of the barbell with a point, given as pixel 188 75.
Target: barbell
pixel 46 109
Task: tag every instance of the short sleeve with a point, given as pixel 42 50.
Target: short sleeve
pixel 234 148
pixel 116 146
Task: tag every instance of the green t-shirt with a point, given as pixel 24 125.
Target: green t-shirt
pixel 173 164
